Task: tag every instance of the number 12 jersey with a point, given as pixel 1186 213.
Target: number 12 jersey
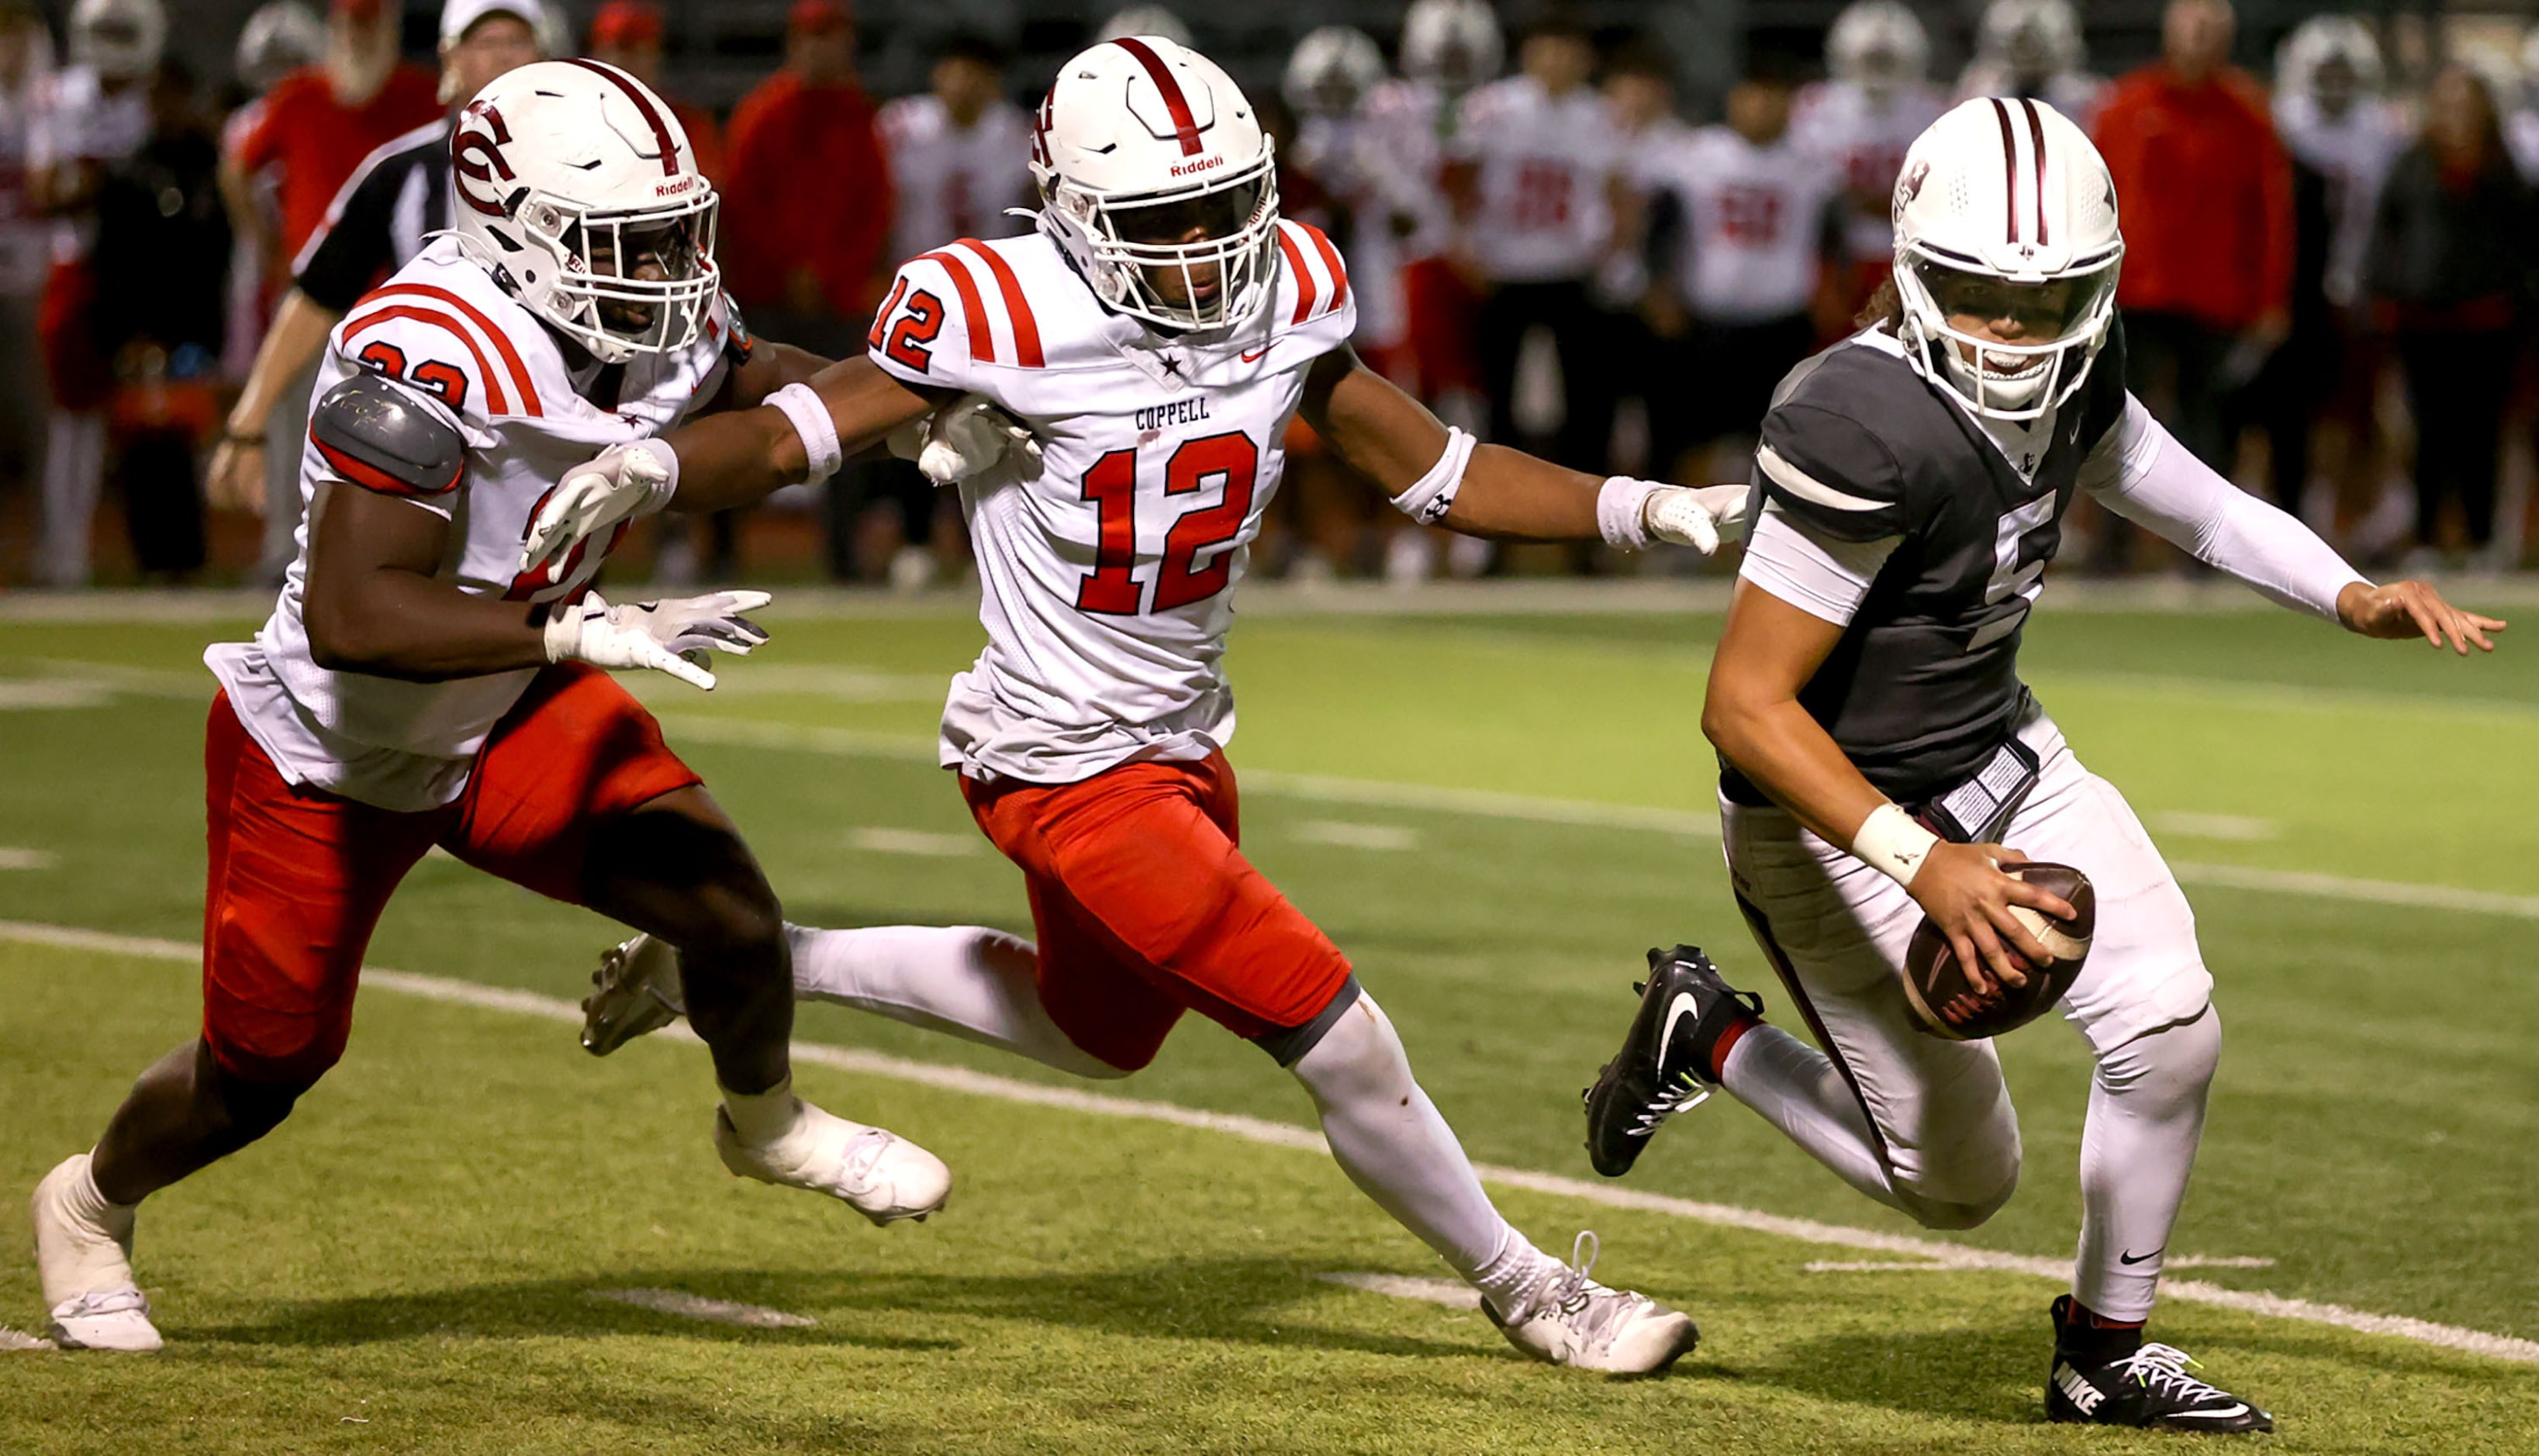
pixel 1107 570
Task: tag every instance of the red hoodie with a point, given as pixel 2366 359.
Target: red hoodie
pixel 804 186
pixel 2205 191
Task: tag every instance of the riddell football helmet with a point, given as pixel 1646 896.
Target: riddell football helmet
pixel 2005 213
pixel 1455 45
pixel 1158 182
pixel 575 186
pixel 1878 46
pixel 1332 71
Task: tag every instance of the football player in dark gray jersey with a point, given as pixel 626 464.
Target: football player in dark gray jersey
pixel 1910 489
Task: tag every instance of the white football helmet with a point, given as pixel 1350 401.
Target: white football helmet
pixel 121 39
pixel 2005 212
pixel 1145 20
pixel 1154 168
pixel 1878 46
pixel 2032 40
pixel 1453 43
pixel 2322 39
pixel 1332 71
pixel 279 38
pixel 576 187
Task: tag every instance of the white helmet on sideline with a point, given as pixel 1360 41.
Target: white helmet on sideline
pixel 2032 39
pixel 1145 20
pixel 279 38
pixel 576 187
pixel 2005 213
pixel 121 39
pixel 1332 71
pixel 2322 38
pixel 1453 43
pixel 1878 46
pixel 1158 180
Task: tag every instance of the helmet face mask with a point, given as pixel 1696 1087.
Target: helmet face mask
pixel 632 283
pixel 1187 261
pixel 2014 347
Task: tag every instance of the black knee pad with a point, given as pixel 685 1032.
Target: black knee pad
pixel 1287 1045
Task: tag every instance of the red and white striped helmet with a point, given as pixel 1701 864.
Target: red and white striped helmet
pixel 576 187
pixel 2004 214
pixel 1160 184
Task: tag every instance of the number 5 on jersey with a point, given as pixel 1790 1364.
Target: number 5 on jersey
pixel 1111 588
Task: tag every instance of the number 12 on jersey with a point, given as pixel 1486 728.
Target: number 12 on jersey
pixel 1111 588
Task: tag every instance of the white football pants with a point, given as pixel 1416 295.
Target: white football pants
pixel 1925 1125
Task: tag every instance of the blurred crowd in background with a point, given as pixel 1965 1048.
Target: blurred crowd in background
pixel 1553 238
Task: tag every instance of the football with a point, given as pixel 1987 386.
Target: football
pixel 1936 989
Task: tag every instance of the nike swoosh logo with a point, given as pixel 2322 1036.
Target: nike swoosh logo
pixel 2240 1410
pixel 2129 1259
pixel 1684 1006
pixel 1255 357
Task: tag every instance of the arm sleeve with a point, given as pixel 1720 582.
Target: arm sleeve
pixel 922 334
pixel 2139 472
pixel 351 248
pixel 1824 576
pixel 1828 472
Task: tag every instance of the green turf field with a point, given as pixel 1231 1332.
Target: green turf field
pixel 1493 816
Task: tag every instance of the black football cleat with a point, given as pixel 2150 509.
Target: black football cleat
pixel 2146 1386
pixel 1663 1066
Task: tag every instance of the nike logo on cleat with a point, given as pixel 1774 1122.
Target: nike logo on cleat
pixel 1682 1006
pixel 2221 1415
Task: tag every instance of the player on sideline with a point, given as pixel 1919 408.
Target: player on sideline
pixel 1155 334
pixel 414 688
pixel 1913 480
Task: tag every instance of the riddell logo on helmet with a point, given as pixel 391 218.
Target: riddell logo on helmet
pixel 676 186
pixel 1185 168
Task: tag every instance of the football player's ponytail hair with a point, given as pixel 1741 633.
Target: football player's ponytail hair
pixel 1885 308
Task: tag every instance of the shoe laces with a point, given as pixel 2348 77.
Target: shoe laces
pixel 1592 1310
pixel 1689 1091
pixel 2161 1370
pixel 864 1153
pixel 96 1302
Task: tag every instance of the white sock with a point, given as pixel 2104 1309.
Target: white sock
pixel 1390 1140
pixel 1799 1091
pixel 2137 1149
pixel 74 476
pixel 973 982
pixel 762 1117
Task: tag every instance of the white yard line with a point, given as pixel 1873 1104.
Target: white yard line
pixel 1382 838
pixel 697 1306
pixel 1926 1265
pixel 924 844
pixel 26 859
pixel 2378 892
pixel 1403 1286
pixel 1288 1135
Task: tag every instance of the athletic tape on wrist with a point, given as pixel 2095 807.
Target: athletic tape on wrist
pixel 1434 494
pixel 564 626
pixel 1620 509
pixel 1893 843
pixel 810 418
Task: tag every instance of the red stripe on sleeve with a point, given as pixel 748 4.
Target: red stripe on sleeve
pixel 1331 262
pixel 1185 126
pixel 1017 307
pixel 974 308
pixel 519 371
pixel 1304 279
pixel 500 403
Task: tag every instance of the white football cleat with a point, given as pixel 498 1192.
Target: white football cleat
pixel 85 1259
pixel 1569 1319
pixel 634 991
pixel 876 1172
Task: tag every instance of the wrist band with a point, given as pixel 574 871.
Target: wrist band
pixel 801 405
pixel 1891 842
pixel 1618 512
pixel 1434 494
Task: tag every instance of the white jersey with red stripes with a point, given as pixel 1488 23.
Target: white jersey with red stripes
pixel 1754 222
pixel 442 328
pixel 1410 125
pixel 1108 571
pixel 1864 137
pixel 1544 165
pixel 949 180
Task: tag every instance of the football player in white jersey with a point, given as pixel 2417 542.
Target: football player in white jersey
pixel 1862 120
pixel 414 687
pixel 956 153
pixel 1150 344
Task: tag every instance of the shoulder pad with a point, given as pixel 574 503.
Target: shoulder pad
pixel 387 438
pixel 1825 459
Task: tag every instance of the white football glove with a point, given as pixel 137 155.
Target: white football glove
pixel 962 438
pixel 621 482
pixel 673 637
pixel 1698 516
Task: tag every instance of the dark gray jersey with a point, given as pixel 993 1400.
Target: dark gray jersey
pixel 1924 684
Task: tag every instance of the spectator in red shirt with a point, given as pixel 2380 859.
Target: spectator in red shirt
pixel 2206 190
pixel 806 196
pixel 627 34
pixel 320 121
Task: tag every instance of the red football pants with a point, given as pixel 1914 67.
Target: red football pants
pixel 1144 907
pixel 299 876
